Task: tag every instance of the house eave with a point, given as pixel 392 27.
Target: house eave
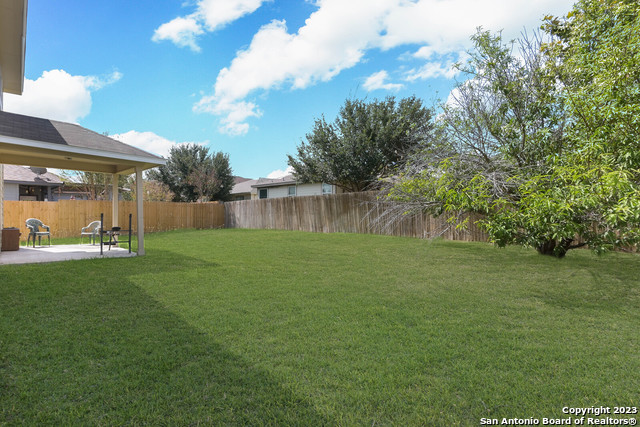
pixel 37 153
pixel 40 184
pixel 13 36
pixel 276 184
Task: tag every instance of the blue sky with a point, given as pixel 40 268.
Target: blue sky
pixel 246 77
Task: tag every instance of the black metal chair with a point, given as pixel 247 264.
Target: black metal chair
pixel 114 235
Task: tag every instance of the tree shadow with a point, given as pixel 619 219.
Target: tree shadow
pixel 606 283
pixel 82 345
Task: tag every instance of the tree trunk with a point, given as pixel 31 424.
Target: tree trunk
pixel 554 248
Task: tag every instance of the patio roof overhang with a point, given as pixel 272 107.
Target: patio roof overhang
pixel 35 153
pixel 13 29
pixel 33 141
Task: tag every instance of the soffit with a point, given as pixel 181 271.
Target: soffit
pixel 13 30
pixel 33 141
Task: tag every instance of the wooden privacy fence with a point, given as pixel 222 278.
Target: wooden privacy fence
pixel 67 217
pixel 334 213
pixel 348 213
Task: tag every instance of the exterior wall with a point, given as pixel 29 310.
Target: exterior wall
pixel 301 190
pixel 275 192
pixel 11 191
pixel 240 196
pixel 245 196
pixel 309 190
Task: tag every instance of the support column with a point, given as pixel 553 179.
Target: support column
pixel 1 199
pixel 1 169
pixel 140 211
pixel 114 199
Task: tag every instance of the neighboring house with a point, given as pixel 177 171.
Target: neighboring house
pixel 73 191
pixel 80 191
pixel 242 189
pixel 30 183
pixel 270 188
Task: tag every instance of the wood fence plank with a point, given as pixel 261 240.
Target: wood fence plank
pixel 342 213
pixel 67 217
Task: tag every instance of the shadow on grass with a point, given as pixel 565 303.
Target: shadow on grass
pixel 607 283
pixel 82 345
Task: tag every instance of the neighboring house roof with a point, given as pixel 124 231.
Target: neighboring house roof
pixel 274 182
pixel 67 146
pixel 13 33
pixel 239 179
pixel 26 175
pixel 243 187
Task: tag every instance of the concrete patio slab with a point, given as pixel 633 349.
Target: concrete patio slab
pixel 40 254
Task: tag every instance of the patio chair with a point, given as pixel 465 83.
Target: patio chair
pixel 92 230
pixel 34 226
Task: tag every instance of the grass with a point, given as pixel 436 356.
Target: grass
pixel 286 328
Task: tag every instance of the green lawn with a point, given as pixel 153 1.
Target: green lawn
pixel 289 328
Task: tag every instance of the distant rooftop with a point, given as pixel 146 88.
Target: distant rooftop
pixel 243 186
pixel 23 174
pixel 239 179
pixel 274 182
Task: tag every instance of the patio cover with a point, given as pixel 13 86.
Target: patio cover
pixel 13 32
pixel 34 141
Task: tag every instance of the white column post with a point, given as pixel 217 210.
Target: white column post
pixel 140 210
pixel 1 202
pixel 114 199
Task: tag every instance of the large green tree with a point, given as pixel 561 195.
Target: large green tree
pixel 365 142
pixel 595 54
pixel 224 177
pixel 544 143
pixel 192 174
pixel 496 131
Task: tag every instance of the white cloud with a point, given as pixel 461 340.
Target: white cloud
pixel 210 15
pixel 432 70
pixel 181 31
pixel 377 81
pixel 279 173
pixel 58 95
pixel 425 52
pixel 334 38
pixel 446 25
pixel 148 141
pixel 235 114
pixel 338 34
pixel 218 13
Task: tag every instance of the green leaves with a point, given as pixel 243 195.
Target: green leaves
pixel 367 141
pixel 191 173
pixel 544 142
